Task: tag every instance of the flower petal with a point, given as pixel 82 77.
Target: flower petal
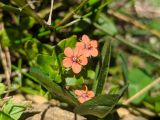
pixel 76 67
pixel 94 52
pixel 67 62
pixel 87 98
pixel 94 43
pixel 90 94
pixel 85 39
pixel 68 52
pixel 86 52
pixel 78 51
pixel 83 60
pixel 80 45
pixel 81 99
pixel 78 92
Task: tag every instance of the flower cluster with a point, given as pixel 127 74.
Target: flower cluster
pixel 78 57
pixel 84 95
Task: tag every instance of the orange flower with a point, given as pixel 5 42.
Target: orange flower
pixel 84 95
pixel 89 47
pixel 74 59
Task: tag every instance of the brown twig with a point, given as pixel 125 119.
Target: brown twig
pixel 7 70
pixel 49 22
pixel 136 23
pixel 8 58
pixel 14 73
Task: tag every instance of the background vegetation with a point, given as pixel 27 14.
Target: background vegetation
pixel 131 27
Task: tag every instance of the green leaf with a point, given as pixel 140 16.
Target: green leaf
pixel 27 22
pixel 92 2
pixel 100 106
pixel 45 59
pixel 4 116
pixel 56 76
pixel 52 87
pixel 2 88
pixel 68 42
pixel 157 107
pixel 72 81
pixel 14 110
pixel 124 67
pixel 4 39
pixel 103 68
pixel 107 24
pixel 90 74
pixel 137 80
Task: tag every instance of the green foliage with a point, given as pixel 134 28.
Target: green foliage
pixel 4 116
pixel 52 87
pixel 72 81
pixel 90 74
pixel 2 88
pixel 99 106
pixel 92 2
pixel 106 24
pixel 102 68
pixel 68 42
pixel 138 80
pixel 41 48
pixel 12 110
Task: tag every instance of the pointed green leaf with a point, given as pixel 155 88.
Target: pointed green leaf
pixel 52 87
pixel 103 68
pixel 101 105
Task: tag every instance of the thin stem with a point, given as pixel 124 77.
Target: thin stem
pixel 70 14
pixel 50 14
pixel 137 47
pixel 23 72
pixel 27 11
pixel 84 16
pixel 141 92
pixel 129 43
pixel 10 8
pixel 136 23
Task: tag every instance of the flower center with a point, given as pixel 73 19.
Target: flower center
pixel 88 46
pixel 76 59
pixel 84 95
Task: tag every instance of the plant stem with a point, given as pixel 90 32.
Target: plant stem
pixel 83 17
pixel 49 22
pixel 6 66
pixel 137 47
pixel 70 14
pixel 25 10
pixel 141 92
pixel 136 23
pixel 156 56
pixel 10 8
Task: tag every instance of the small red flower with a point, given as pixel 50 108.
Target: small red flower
pixel 84 95
pixel 74 59
pixel 89 47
